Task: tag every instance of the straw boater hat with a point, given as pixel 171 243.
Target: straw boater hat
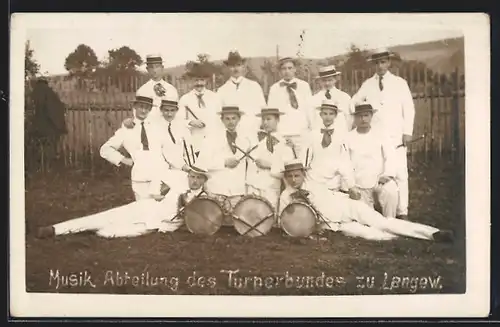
pixel 380 53
pixel 143 99
pixel 329 104
pixel 154 59
pixel 198 169
pixel 231 109
pixel 327 71
pixel 198 71
pixel 294 164
pixel 269 111
pixel 234 58
pixel 287 59
pixel 169 103
pixel 363 107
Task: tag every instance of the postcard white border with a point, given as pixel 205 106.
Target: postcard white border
pixel 475 302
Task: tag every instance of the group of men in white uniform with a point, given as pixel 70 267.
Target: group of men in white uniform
pixel 345 155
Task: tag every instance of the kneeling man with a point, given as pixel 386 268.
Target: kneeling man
pixel 351 217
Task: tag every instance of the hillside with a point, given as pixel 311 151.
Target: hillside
pixel 442 55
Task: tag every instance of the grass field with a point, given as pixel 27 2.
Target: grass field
pixel 267 265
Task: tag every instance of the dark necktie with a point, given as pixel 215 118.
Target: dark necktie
pixel 170 132
pixel 201 103
pixel 236 84
pixel 327 137
pixel 290 87
pixel 231 140
pixel 159 90
pixel 271 141
pixel 328 95
pixel 380 85
pixel 144 138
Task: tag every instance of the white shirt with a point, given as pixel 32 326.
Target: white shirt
pixel 294 120
pixel 372 155
pixel 130 139
pixel 331 165
pixel 147 89
pixel 246 94
pixel 396 111
pixel 214 152
pixel 344 104
pixel 176 154
pixel 267 178
pixel 207 114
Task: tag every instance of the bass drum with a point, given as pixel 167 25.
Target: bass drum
pixel 253 216
pixel 203 215
pixel 298 219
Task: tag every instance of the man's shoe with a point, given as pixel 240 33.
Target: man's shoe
pixel 46 232
pixel 444 236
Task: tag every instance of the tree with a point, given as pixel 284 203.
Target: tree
pixel 123 60
pixel 81 62
pixel 208 66
pixel 31 67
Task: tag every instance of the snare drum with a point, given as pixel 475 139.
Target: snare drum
pixel 298 219
pixel 203 215
pixel 253 216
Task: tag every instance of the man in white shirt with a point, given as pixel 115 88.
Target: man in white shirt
pixel 243 93
pixel 328 158
pixel 136 218
pixel 199 107
pixel 264 175
pixel 392 97
pixel 351 217
pixel 222 154
pixel 142 142
pixel 328 77
pixel 157 88
pixel 372 158
pixel 292 96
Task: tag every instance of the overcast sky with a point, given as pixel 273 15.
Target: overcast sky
pixel 180 37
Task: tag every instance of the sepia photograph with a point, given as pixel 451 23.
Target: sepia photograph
pixel 249 164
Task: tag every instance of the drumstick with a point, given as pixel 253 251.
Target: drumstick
pixel 245 154
pixel 192 153
pixel 254 227
pixel 191 112
pixel 248 225
pixel 412 141
pixel 183 208
pixel 187 152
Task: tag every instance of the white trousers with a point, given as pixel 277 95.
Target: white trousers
pixel 133 219
pixel 141 190
pixel 356 218
pixel 402 181
pixel 387 196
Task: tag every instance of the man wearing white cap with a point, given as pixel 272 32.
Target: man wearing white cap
pixel 351 217
pixel 157 88
pixel 292 96
pixel 223 154
pixel 142 142
pixel 136 218
pixel 263 176
pixel 242 92
pixel 328 77
pixel 372 157
pixel 392 97
pixel 199 107
pixel 328 158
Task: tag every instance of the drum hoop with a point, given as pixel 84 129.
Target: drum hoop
pixel 302 203
pixel 256 197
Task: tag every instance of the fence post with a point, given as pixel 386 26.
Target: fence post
pixel 425 98
pixel 455 107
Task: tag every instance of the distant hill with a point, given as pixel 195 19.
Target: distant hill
pixel 442 55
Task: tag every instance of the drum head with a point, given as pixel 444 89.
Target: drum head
pixel 203 215
pixel 298 219
pixel 253 216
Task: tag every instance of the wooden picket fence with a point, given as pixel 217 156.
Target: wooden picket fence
pixel 93 116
